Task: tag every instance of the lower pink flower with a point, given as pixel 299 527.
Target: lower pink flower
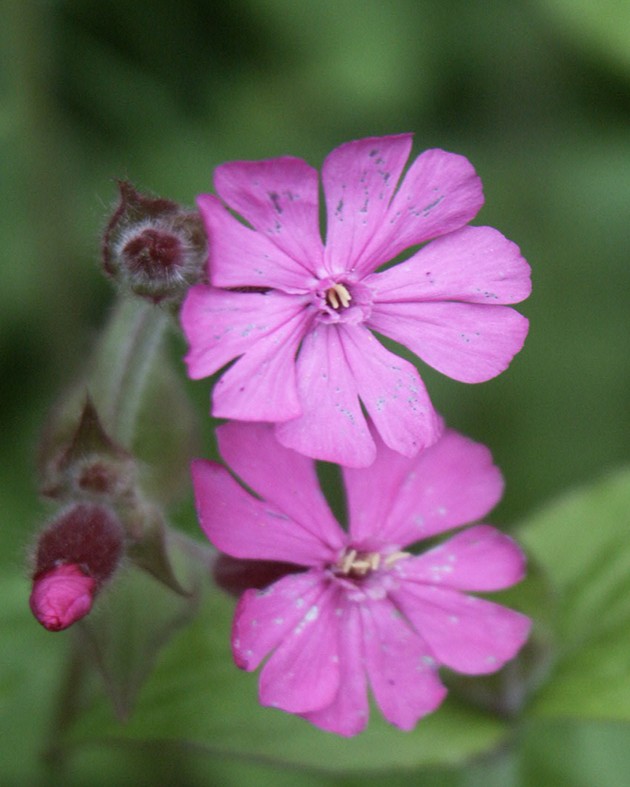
pixel 363 609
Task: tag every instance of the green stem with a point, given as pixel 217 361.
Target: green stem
pixel 123 364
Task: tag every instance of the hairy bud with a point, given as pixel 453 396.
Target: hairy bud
pixel 236 575
pixel 75 555
pixel 153 247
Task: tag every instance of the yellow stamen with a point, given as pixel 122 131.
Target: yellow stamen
pixel 338 295
pixel 358 564
pixel 395 557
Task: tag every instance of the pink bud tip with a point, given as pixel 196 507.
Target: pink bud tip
pixel 62 596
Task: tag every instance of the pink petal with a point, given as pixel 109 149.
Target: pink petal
pixel 474 264
pixel 261 386
pixel 242 526
pixel 449 484
pixel 439 194
pixel 221 325
pixel 469 342
pixel 242 257
pixel 400 667
pixel 465 633
pixel 371 492
pixel 359 180
pixel 392 392
pixel 62 596
pixel 302 675
pixel 332 426
pixel 480 558
pixel 284 478
pixel 279 198
pixel 348 712
pixel 263 618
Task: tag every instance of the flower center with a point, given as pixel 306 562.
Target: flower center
pixel 338 297
pixel 346 301
pixel 355 564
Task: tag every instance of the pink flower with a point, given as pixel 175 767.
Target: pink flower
pixel 62 596
pixel 302 329
pixel 363 609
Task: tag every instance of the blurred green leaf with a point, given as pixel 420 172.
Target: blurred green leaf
pixel 167 434
pixel 603 27
pixel 583 542
pixel 135 619
pixel 32 662
pixel 196 696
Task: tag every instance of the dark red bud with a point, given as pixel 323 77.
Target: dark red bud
pixel 75 555
pixel 153 247
pixel 236 575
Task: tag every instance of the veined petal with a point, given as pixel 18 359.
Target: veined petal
pixel 400 666
pixel 371 491
pixel 242 526
pixel 302 674
pixel 469 342
pixel 452 483
pixel 359 180
pixel 241 257
pixel 480 558
pixel 474 264
pixel 348 713
pixel 392 392
pixel 283 477
pixel 332 426
pixel 261 386
pixel 221 325
pixel 467 634
pixel 279 198
pixel 439 194
pixel 263 618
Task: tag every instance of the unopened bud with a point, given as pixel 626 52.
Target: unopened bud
pixel 75 555
pixel 62 596
pixel 236 575
pixel 153 247
pixel 88 464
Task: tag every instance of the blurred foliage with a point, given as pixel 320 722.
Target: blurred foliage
pixel 536 94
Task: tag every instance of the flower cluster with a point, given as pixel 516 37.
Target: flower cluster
pixel 310 380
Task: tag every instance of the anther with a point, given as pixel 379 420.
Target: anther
pixel 337 296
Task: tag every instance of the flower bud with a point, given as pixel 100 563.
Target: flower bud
pixel 75 555
pixel 62 596
pixel 152 247
pixel 88 464
pixel 236 575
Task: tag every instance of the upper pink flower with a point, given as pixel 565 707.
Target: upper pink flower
pixel 307 359
pixel 362 609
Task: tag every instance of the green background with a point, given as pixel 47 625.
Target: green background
pixel 537 95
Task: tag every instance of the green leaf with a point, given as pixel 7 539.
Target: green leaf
pixel 603 27
pixel 31 660
pixel 167 434
pixel 583 542
pixel 136 617
pixel 196 696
